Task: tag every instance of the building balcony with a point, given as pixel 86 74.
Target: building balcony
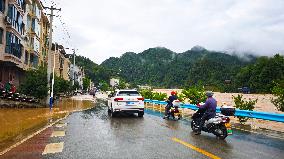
pixel 10 58
pixel 18 6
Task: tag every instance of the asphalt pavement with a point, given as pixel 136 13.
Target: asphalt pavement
pixel 93 134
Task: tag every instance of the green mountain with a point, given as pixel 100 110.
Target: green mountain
pixel 161 67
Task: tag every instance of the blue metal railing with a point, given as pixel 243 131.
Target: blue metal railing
pixel 241 113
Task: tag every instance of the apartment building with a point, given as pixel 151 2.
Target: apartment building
pixel 12 30
pixel 37 27
pixel 62 62
pixel 77 74
pixel 23 38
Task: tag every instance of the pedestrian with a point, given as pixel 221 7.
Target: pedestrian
pixel 13 89
pixel 8 86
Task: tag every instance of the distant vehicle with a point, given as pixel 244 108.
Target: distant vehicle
pixel 129 101
pixel 244 90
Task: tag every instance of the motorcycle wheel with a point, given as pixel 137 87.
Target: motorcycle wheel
pixel 193 127
pixel 221 132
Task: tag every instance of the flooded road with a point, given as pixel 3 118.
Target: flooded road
pixel 15 124
pixel 93 134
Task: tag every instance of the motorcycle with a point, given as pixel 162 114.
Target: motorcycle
pixel 17 97
pixel 3 94
pixel 10 95
pixel 219 125
pixel 174 111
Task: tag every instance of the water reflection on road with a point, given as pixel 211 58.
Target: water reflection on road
pixel 94 134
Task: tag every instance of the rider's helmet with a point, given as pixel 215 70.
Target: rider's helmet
pixel 173 93
pixel 209 93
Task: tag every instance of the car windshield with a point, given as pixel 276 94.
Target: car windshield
pixel 128 93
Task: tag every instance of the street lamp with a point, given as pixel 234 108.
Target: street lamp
pixel 73 68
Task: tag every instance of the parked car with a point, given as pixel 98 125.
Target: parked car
pixel 129 101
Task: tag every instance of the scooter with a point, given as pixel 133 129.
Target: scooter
pixel 219 125
pixel 3 94
pixel 10 95
pixel 174 111
pixel 17 97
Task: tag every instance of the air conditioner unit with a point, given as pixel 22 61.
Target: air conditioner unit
pixel 8 20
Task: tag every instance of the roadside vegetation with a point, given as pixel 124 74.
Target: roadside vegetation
pixel 35 85
pixel 243 104
pixel 278 92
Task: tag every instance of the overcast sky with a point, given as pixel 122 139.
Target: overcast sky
pixel 104 28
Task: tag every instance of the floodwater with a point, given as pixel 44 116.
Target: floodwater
pixel 16 124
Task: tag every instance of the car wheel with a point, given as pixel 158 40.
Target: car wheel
pixel 108 111
pixel 140 114
pixel 113 114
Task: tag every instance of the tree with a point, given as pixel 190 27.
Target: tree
pixel 278 92
pixel 61 86
pixel 76 86
pixel 86 83
pixel 35 83
pixel 260 76
pixel 104 86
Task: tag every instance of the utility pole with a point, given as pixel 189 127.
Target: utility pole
pixel 50 95
pixel 74 56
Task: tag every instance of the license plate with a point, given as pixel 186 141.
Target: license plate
pixel 229 128
pixel 130 103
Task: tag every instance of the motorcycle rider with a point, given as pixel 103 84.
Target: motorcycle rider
pixel 210 110
pixel 170 103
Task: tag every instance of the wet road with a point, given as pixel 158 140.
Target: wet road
pixel 93 134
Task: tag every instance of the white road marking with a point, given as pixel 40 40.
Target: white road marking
pixel 58 134
pixel 61 125
pixel 53 148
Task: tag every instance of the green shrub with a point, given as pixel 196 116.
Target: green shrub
pixel 181 97
pixel 278 92
pixel 147 93
pixel 159 96
pixel 194 94
pixel 243 105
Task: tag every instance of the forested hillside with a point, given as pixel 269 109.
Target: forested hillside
pixel 162 67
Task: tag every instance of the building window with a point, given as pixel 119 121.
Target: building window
pixel 17 18
pixel 2 6
pixel 1 35
pixel 13 45
pixel 26 57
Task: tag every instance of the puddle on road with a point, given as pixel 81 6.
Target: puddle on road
pixel 15 124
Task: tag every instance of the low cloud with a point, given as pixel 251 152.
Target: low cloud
pixel 101 29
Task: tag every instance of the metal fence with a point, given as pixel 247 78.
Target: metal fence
pixel 241 113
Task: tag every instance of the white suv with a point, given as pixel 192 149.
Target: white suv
pixel 129 101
